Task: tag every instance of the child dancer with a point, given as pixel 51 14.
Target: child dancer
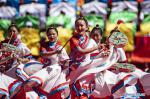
pixel 101 89
pixel 51 80
pixel 81 47
pixel 11 50
pixel 96 35
pixel 109 78
pixel 134 79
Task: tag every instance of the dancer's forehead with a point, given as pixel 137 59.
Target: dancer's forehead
pixel 95 34
pixel 13 29
pixel 51 31
pixel 81 19
pixel 80 22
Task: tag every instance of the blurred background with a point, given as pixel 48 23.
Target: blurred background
pixel 34 16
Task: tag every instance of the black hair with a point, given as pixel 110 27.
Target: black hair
pixel 13 25
pixel 97 28
pixel 81 18
pixel 85 20
pixel 8 30
pixel 52 27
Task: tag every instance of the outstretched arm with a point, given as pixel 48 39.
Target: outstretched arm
pixel 89 50
pixel 43 54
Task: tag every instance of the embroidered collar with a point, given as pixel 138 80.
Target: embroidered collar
pixel 52 44
pixel 81 38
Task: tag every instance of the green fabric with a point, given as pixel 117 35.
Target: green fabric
pixel 146 19
pixel 60 20
pixel 124 15
pixel 95 19
pixel 21 21
pixel 4 24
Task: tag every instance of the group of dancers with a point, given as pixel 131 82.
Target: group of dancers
pixel 93 70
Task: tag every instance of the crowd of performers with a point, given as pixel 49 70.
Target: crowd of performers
pixel 93 70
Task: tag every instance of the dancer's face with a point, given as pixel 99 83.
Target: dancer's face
pixel 12 31
pixel 81 27
pixel 52 35
pixel 96 36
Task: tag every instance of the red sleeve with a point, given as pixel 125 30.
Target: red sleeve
pixel 74 42
pixel 0 45
pixel 43 48
pixel 59 43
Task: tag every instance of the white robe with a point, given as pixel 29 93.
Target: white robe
pixel 9 83
pixel 52 76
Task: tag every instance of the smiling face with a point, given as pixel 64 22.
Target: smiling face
pixel 81 27
pixel 52 35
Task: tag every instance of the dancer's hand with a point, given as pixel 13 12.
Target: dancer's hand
pixel 12 55
pixel 58 51
pixel 29 85
pixel 23 60
pixel 101 47
pixel 105 53
pixel 65 63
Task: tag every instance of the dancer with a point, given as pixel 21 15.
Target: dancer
pixel 101 89
pixel 51 80
pixel 11 51
pixel 81 47
pixel 96 35
pixel 132 81
pixel 121 79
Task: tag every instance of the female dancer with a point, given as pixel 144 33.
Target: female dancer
pixel 51 80
pixel 81 47
pixel 101 89
pixel 112 80
pixel 11 50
